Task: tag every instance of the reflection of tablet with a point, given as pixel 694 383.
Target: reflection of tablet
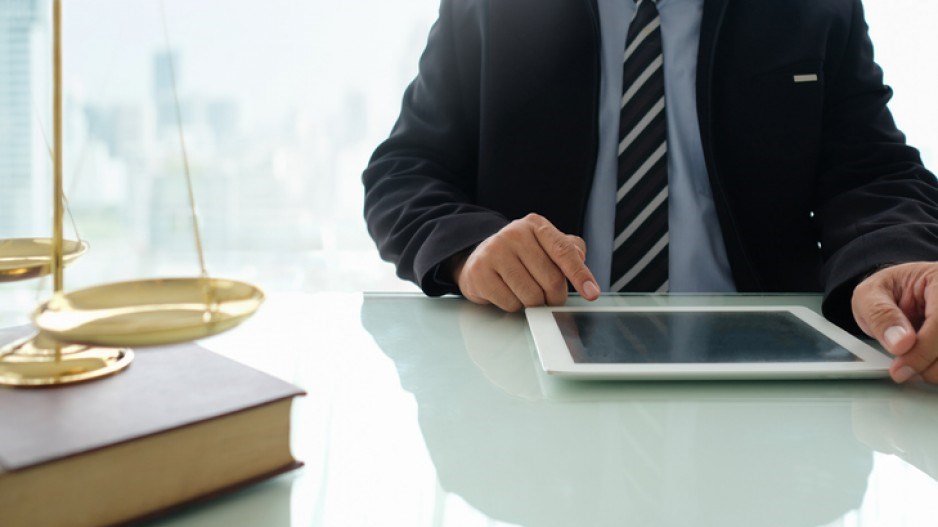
pixel 778 342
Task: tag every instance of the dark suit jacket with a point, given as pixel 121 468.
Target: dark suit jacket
pixel 814 185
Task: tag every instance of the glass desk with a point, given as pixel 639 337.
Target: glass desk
pixel 434 412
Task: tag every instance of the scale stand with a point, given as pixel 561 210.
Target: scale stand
pixel 81 334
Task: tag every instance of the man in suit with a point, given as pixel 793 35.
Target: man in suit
pixel 783 168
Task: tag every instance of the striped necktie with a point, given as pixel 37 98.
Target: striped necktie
pixel 640 249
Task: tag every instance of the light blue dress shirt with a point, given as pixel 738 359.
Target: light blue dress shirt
pixel 697 256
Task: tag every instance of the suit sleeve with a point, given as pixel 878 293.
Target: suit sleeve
pixel 420 183
pixel 875 204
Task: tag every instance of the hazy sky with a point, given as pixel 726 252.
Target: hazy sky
pixel 270 55
pixel 279 56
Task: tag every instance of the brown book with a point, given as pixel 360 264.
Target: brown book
pixel 180 424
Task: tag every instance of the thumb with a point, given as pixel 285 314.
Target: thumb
pixel 879 316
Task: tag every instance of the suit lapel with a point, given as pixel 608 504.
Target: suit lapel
pixel 711 26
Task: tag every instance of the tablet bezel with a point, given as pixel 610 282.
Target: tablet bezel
pixel 556 360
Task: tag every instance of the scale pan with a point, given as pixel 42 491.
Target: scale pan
pixel 148 312
pixel 23 258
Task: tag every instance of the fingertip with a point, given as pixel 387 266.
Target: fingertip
pixel 590 290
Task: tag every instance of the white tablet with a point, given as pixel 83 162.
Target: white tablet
pixel 662 343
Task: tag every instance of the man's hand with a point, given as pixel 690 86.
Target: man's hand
pixel 898 306
pixel 525 264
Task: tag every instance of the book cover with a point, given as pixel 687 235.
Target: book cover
pixel 181 423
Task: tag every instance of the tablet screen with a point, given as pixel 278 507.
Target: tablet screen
pixel 695 337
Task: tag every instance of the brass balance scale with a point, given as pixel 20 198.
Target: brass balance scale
pixel 83 335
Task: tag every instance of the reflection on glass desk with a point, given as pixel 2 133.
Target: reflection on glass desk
pixel 434 412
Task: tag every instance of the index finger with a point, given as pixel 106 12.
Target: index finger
pixel 568 256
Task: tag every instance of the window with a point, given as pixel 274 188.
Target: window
pixel 282 103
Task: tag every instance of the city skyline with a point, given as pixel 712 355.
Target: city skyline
pixel 267 195
pixel 272 59
pixel 282 102
pixel 22 150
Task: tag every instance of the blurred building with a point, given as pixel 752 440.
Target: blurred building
pixel 25 65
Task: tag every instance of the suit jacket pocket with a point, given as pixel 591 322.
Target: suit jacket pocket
pixel 789 106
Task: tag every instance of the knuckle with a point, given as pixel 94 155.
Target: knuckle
pixel 540 225
pixel 473 294
pixel 546 235
pixel 497 240
pixel 530 295
pixel 531 223
pixel 514 307
pixel 532 302
pixel 476 285
pixel 556 282
pixel 510 236
pixel 493 251
pixel 563 248
pixel 862 289
pixel 469 289
pixel 558 298
pixel 471 264
pixel 469 273
pixel 483 250
pixel 535 218
pixel 475 299
pixel 514 275
pixel 508 302
pixel 502 297
pixel 581 275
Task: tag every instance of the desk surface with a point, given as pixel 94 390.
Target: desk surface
pixel 433 412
